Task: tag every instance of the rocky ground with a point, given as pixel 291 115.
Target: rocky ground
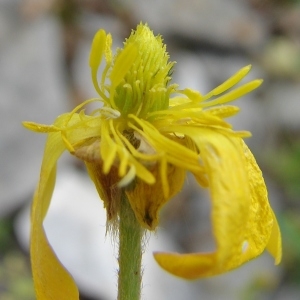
pixel 44 48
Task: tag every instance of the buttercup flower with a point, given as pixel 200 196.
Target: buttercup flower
pixel 143 138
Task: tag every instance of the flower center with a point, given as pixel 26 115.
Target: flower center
pixel 144 87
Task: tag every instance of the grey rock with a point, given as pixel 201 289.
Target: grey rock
pixel 283 106
pixel 231 24
pixel 90 24
pixel 288 292
pixel 32 88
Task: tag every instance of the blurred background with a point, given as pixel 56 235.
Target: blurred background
pixel 44 49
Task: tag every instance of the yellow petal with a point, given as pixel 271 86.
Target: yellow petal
pixel 229 83
pixel 224 111
pixel 51 280
pixel 234 94
pixel 123 63
pixel 193 95
pixel 262 225
pixel 274 245
pixel 177 154
pixel 42 128
pixel 188 266
pixel 97 50
pixel 229 190
pixel 108 147
pixel 243 222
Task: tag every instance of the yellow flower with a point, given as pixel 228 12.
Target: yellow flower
pixel 143 138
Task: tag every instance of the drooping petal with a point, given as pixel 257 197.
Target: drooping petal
pixel 263 230
pixel 230 195
pixel 51 280
pixel 244 224
pixel 274 245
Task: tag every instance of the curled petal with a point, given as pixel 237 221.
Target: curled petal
pixel 274 244
pixel 97 51
pixel 263 229
pixel 243 222
pixel 227 178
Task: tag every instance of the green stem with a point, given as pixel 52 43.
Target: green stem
pixel 130 253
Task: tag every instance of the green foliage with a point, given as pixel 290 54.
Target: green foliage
pixel 290 228
pixel 15 275
pixel 6 231
pixel 284 163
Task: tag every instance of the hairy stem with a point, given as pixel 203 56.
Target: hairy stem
pixel 130 253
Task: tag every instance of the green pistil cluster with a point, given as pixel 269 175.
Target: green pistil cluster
pixel 144 88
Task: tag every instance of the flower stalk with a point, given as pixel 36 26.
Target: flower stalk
pixel 130 253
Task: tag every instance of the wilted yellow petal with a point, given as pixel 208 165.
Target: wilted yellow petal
pixel 51 280
pixel 262 229
pixel 243 222
pixel 274 244
pixel 230 195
